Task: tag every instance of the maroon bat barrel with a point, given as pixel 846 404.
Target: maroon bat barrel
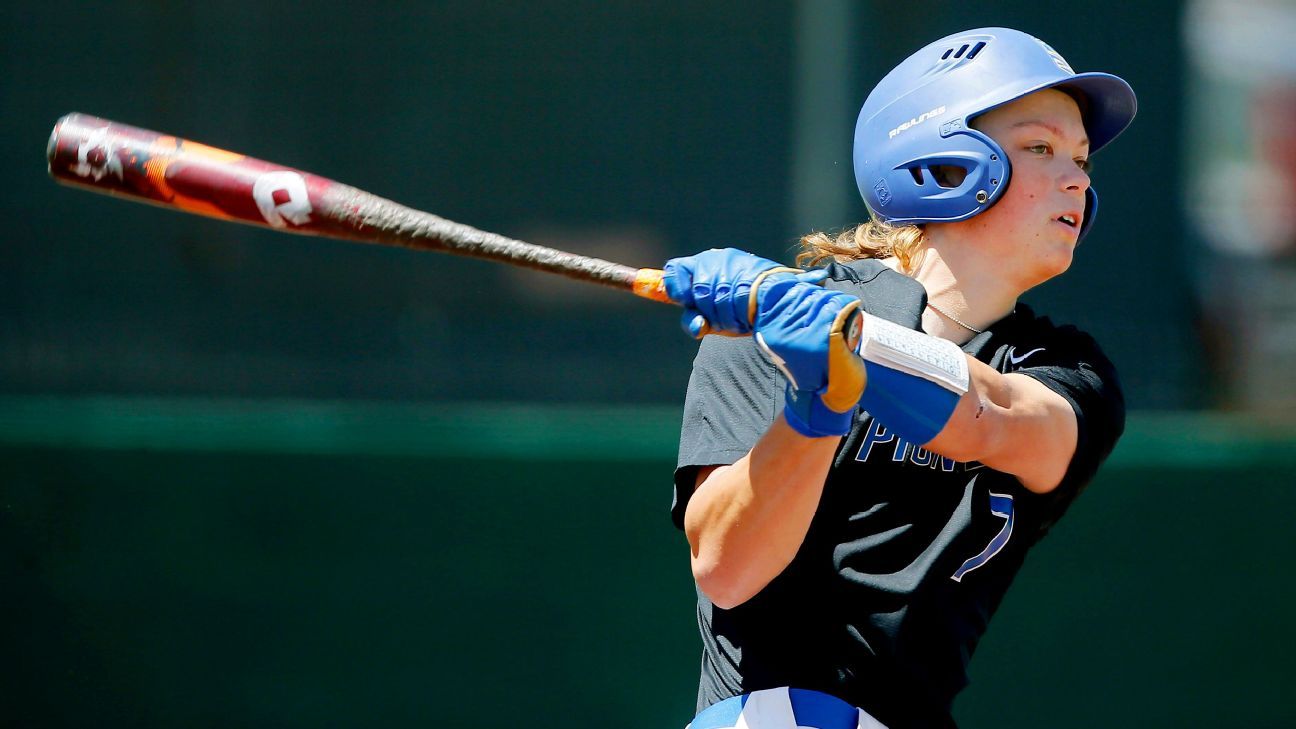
pixel 119 159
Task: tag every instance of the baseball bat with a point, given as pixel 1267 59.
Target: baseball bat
pixel 118 159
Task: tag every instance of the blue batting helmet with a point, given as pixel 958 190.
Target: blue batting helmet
pixel 917 118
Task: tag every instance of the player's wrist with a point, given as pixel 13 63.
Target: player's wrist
pixel 806 413
pixel 804 334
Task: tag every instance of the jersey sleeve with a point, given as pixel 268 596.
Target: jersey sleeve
pixel 1076 369
pixel 733 396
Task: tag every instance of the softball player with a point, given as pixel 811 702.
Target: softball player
pixel 854 523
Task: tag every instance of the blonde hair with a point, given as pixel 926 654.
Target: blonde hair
pixel 871 239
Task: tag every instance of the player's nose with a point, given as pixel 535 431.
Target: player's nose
pixel 1072 178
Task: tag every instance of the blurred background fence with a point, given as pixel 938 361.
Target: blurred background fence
pixel 255 479
pixel 205 563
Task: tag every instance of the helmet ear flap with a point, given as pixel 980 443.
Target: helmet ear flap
pixel 1090 212
pixel 996 171
pixel 953 178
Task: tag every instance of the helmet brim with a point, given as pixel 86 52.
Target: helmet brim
pixel 1110 105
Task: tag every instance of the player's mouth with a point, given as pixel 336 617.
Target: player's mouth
pixel 1070 219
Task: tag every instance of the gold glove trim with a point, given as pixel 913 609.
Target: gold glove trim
pixel 846 373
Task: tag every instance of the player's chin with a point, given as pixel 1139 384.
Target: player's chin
pixel 1054 259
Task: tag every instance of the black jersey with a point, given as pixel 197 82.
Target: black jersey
pixel 909 553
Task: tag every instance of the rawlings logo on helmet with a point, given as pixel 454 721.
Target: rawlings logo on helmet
pixel 916 121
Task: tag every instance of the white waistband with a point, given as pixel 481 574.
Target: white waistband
pixel 784 708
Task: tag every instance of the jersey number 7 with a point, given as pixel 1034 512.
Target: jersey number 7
pixel 1001 505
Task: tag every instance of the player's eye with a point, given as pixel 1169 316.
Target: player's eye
pixel 1039 149
pixel 1085 166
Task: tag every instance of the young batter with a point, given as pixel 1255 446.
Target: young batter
pixel 854 523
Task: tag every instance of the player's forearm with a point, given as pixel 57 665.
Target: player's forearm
pixel 1011 423
pixel 975 425
pixel 745 522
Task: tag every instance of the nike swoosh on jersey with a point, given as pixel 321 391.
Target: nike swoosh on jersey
pixel 1018 360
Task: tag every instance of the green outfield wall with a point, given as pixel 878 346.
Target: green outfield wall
pixel 301 564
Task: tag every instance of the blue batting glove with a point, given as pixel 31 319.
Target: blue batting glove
pixel 810 334
pixel 715 288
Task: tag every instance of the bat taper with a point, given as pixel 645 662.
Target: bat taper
pixel 118 159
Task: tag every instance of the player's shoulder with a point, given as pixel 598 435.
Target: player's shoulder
pixel 1030 327
pixel 882 290
pixel 868 272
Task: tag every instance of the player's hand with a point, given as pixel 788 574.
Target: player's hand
pixel 716 288
pixel 810 334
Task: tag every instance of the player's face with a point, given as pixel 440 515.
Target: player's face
pixel 1033 228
